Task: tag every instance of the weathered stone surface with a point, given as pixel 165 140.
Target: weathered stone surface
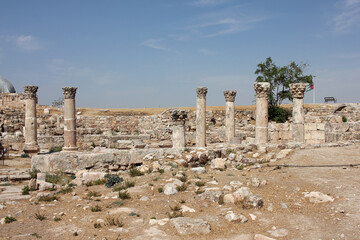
pixel 92 176
pixel 233 217
pixel 283 153
pixel 262 237
pixel 185 226
pixel 279 232
pixel 32 184
pixel 218 163
pixel 318 197
pixel 198 170
pixel 245 197
pixel 213 194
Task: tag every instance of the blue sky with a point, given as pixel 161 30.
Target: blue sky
pixel 154 53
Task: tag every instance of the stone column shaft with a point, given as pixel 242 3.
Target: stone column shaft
pixel 262 95
pixel 31 145
pixel 201 117
pixel 178 138
pixel 230 115
pixel 69 119
pixel 298 91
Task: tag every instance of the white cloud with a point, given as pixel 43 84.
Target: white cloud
pixel 207 3
pixel 27 43
pixel 220 24
pixel 157 44
pixel 348 16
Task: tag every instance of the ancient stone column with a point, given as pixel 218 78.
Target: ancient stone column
pixel 69 119
pixel 178 137
pixel 230 115
pixel 297 91
pixel 201 116
pixel 262 95
pixel 31 145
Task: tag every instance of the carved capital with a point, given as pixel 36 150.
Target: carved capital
pixel 262 89
pixel 69 92
pixel 30 92
pixel 230 95
pixel 201 92
pixel 298 89
pixel 179 116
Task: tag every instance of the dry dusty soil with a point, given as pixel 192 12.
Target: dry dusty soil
pixel 285 206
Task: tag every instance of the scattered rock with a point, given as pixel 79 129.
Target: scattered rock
pixel 262 237
pixel 32 184
pixel 186 209
pixel 283 153
pixel 218 163
pixel 318 197
pixel 2 206
pixel 249 200
pixel 185 225
pixel 198 170
pixel 279 232
pixel 160 222
pixel 233 217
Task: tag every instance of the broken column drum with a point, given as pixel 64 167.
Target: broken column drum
pixel 230 115
pixel 178 137
pixel 31 144
pixel 262 95
pixel 201 116
pixel 297 126
pixel 69 119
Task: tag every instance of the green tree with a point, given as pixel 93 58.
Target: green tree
pixel 280 79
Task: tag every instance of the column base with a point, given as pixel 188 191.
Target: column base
pixel 31 149
pixel 70 149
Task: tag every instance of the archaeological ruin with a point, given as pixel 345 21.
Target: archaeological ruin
pixel 122 140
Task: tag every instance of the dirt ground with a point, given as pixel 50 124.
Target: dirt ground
pixel 284 204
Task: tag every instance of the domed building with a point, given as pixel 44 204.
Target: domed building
pixel 6 86
pixel 8 95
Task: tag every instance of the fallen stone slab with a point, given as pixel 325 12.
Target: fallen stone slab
pixel 318 197
pixel 186 225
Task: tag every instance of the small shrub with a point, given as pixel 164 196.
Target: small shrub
pixel 9 219
pixel 54 179
pixel 97 208
pixel 39 216
pixel 161 171
pixel 112 180
pixel 93 194
pixel 135 172
pixel 221 200
pixel 35 235
pixel 240 167
pixel 175 212
pixel 97 225
pixel 113 221
pixel 181 188
pixel 278 114
pixel 65 190
pixel 125 185
pixel 118 203
pixel 49 198
pixel 57 219
pixel 25 190
pixel 176 208
pixel 134 214
pixel 99 182
pixel 182 201
pixel 155 179
pixel 24 155
pixel 344 119
pixel 183 178
pixel 33 173
pixel 200 184
pixel 199 191
pixel 160 190
pixel 89 184
pixel 75 234
pixel 55 149
pixel 229 150
pixel 124 195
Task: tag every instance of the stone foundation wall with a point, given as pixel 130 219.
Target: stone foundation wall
pixel 322 124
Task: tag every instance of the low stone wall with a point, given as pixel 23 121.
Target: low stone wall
pixel 323 123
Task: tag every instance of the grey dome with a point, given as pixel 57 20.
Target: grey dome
pixel 6 86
